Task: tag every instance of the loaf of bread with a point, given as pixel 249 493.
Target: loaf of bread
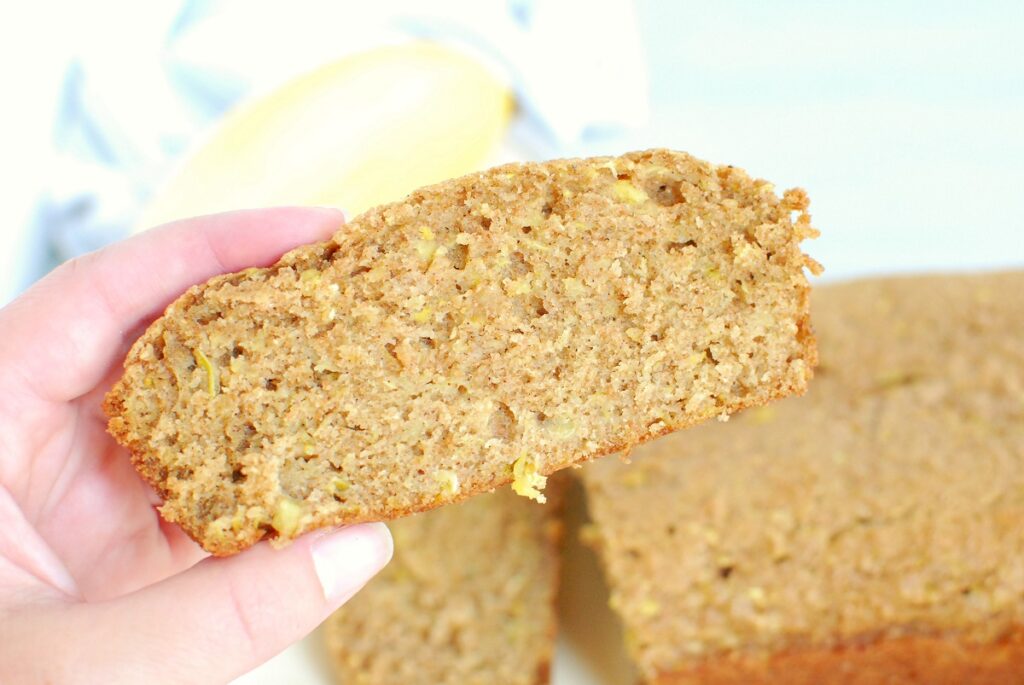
pixel 869 532
pixel 491 329
pixel 467 600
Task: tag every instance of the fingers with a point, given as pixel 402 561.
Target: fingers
pixel 26 561
pixel 65 333
pixel 224 616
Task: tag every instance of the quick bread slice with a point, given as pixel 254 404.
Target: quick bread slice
pixel 486 330
pixel 869 532
pixel 468 599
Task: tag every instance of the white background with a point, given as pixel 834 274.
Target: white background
pixel 903 120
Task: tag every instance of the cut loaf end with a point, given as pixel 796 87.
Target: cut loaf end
pixel 468 598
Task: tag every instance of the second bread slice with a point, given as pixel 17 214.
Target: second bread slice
pixel 486 330
pixel 468 598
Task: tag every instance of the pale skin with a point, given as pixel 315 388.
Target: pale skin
pixel 94 585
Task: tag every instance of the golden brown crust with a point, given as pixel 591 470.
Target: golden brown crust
pixel 738 269
pixel 918 660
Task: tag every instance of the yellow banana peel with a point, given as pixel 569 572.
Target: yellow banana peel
pixel 353 134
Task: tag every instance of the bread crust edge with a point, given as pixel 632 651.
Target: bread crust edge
pixel 934 660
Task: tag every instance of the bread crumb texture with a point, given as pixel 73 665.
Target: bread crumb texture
pixel 869 532
pixel 467 600
pixel 487 330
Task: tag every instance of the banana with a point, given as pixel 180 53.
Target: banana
pixel 355 133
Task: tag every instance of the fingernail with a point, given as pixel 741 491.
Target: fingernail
pixel 344 560
pixel 335 210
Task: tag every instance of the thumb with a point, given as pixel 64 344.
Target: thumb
pixel 225 616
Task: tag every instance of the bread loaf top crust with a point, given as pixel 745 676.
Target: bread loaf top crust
pixel 873 524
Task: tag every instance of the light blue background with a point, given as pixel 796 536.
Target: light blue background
pixel 903 120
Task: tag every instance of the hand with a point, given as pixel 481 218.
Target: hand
pixel 94 585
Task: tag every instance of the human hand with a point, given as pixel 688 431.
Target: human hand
pixel 94 585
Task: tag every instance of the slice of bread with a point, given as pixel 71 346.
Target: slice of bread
pixel 468 598
pixel 869 532
pixel 486 330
